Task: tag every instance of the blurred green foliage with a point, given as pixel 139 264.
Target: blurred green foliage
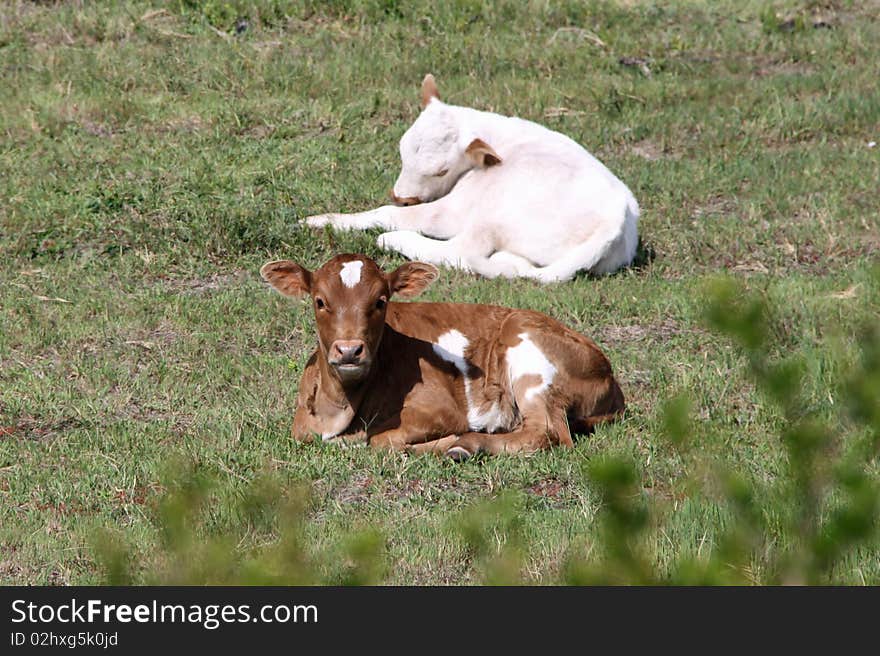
pixel 828 482
pixel 260 543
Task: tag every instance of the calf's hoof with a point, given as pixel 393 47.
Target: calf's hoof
pixel 319 221
pixel 509 265
pixel 458 453
pixel 395 240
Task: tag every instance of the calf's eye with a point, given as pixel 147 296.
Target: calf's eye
pixel 319 303
pixel 441 174
pixel 380 304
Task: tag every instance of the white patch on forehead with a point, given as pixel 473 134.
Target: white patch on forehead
pixel 351 273
pixel 450 347
pixel 526 359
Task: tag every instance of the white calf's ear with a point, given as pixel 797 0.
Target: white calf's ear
pixel 288 278
pixel 481 153
pixel 412 278
pixel 429 90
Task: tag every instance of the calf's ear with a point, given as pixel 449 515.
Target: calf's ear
pixel 429 90
pixel 481 153
pixel 287 277
pixel 412 278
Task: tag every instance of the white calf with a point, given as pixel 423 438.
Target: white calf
pixel 501 196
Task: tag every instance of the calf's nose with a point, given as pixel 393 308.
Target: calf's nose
pixel 347 351
pixel 403 201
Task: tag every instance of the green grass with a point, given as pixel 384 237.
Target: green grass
pixel 149 165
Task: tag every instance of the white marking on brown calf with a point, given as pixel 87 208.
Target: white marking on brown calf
pixel 351 273
pixel 450 347
pixel 334 424
pixel 526 359
pixel 491 420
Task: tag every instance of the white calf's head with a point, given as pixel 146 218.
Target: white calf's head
pixel 437 150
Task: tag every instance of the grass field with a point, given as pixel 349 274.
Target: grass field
pixel 154 155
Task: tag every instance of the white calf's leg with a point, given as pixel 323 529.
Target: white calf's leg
pixel 434 219
pixel 418 247
pixel 501 263
pixel 458 253
pixel 463 252
pixel 429 218
pixel 379 217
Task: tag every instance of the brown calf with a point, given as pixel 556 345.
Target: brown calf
pixel 441 377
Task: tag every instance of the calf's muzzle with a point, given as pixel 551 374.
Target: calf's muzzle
pixel 346 352
pixel 403 201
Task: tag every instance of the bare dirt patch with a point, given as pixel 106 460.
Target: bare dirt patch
pixel 550 488
pixel 183 124
pixel 147 413
pixel 141 495
pixel 651 150
pixel 415 487
pixel 355 491
pixel 636 333
pixel 259 131
pixel 714 206
pixel 763 66
pixel 818 259
pixel 10 571
pixel 27 427
pixel 162 335
pixel 206 284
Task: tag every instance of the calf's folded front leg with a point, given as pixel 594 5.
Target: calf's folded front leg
pixel 523 441
pixel 438 447
pixel 417 427
pixel 404 440
pixel 465 251
pixel 418 247
pixel 535 433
